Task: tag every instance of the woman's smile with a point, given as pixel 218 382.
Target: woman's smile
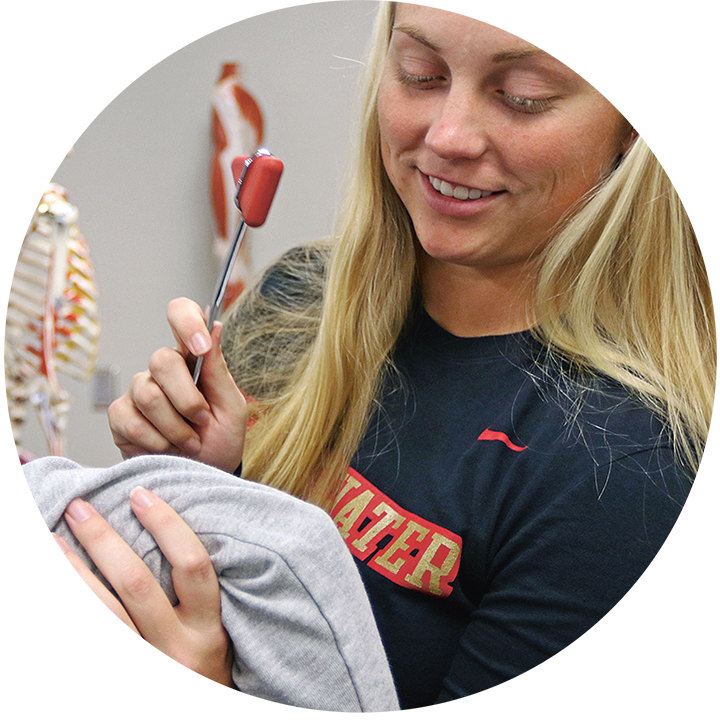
pixel 488 141
pixel 455 199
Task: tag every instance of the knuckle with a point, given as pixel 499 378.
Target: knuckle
pixel 218 642
pixel 136 381
pixel 148 396
pixel 95 531
pixel 135 584
pixel 137 433
pixel 177 305
pixel 198 567
pixel 134 429
pixel 116 412
pixel 120 410
pixel 160 360
pixel 192 405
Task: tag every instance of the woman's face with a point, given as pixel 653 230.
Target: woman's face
pixel 487 140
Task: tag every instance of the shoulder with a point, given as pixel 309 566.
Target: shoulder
pixel 601 438
pixel 593 466
pixel 591 412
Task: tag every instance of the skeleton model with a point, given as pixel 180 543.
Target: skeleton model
pixel 237 126
pixel 52 322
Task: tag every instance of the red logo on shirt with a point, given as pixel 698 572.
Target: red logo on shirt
pixel 502 437
pixel 418 554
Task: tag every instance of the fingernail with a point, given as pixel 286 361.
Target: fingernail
pixel 20 622
pixel 200 343
pixel 78 510
pixel 54 545
pixel 142 498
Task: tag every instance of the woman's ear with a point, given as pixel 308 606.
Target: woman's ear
pixel 630 138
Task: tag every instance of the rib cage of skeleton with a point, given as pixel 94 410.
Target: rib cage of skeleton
pixel 51 314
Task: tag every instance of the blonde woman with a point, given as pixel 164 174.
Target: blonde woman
pixel 497 378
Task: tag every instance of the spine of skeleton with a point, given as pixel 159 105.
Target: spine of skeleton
pixel 52 323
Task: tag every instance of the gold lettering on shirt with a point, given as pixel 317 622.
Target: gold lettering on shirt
pixel 437 572
pixel 349 514
pixel 402 546
pixel 350 484
pixel 388 517
pixel 399 545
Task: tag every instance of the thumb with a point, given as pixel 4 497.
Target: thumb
pixel 188 325
pixel 215 382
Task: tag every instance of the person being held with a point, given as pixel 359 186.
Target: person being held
pixel 497 378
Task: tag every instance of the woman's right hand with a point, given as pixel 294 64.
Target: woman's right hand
pixel 163 412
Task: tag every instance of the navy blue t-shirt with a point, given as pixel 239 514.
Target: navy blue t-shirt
pixel 497 511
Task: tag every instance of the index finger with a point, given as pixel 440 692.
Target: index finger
pixel 140 593
pixel 194 578
pixel 189 327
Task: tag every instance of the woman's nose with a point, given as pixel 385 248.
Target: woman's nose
pixel 459 129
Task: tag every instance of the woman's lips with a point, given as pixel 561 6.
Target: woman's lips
pixel 458 200
pixel 459 192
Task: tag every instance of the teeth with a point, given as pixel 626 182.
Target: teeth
pixel 445 188
pixel 459 192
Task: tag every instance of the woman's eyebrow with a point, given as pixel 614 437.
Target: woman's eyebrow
pixel 416 34
pixel 519 54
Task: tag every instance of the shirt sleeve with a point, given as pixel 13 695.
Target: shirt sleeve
pixel 555 575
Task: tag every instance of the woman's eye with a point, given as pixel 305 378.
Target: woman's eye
pixel 529 106
pixel 418 81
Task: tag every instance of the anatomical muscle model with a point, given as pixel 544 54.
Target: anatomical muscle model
pixel 52 321
pixel 237 128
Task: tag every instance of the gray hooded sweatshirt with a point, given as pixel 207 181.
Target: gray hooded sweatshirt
pixel 292 599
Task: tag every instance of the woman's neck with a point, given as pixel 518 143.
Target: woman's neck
pixel 471 302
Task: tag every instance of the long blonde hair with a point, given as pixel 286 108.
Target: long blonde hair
pixel 626 287
pixel 302 439
pixel 621 291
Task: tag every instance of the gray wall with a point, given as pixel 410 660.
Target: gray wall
pixel 141 74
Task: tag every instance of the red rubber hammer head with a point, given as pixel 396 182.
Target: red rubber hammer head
pixel 258 186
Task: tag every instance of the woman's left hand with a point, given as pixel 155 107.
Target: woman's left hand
pixel 192 631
